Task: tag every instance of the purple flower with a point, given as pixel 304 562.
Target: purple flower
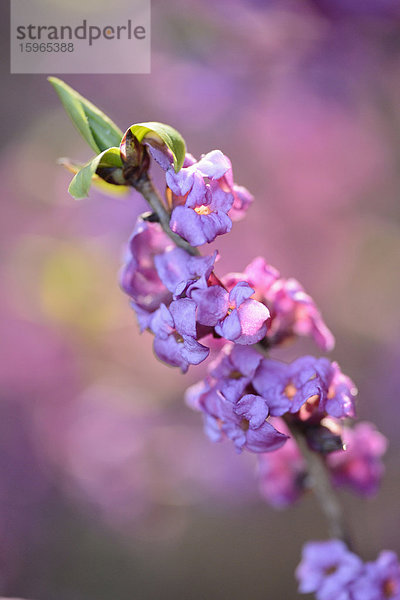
pixel 178 270
pixel 244 422
pixel 282 474
pixel 327 569
pixel 311 386
pixel 235 315
pixel 293 312
pixel 139 278
pixel 380 580
pixel 234 369
pixel 359 466
pixel 287 387
pixel 241 196
pixel 339 402
pixel 204 212
pixel 175 334
pixel 241 202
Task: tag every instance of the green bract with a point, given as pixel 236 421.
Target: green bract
pixel 80 185
pixel 161 134
pixel 96 128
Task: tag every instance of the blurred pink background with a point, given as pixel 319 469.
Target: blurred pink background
pixel 108 487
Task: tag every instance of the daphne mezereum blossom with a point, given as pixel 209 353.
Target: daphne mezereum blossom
pixel 314 386
pixel 233 370
pixel 139 278
pixel 327 569
pixel 282 474
pixel 204 212
pixel 379 580
pixel 202 209
pixel 235 315
pixel 178 270
pixel 293 312
pixel 359 467
pixel 175 334
pixel 245 421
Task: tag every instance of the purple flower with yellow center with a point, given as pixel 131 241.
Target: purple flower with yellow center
pixel 204 208
pixel 359 466
pixel 139 278
pixel 175 334
pixel 235 315
pixel 327 569
pixel 380 580
pixel 314 387
pixel 287 387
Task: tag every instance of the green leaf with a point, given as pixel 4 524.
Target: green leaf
pixel 108 188
pixel 161 134
pixel 80 185
pixel 95 127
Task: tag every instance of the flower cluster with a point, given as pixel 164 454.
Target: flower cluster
pixel 293 312
pixel 177 297
pixel 259 403
pixel 231 409
pixel 243 389
pixel 283 478
pixel 248 397
pixel 332 572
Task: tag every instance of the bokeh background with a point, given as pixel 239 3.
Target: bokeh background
pixel 108 487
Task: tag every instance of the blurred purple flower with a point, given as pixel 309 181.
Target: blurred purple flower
pixel 379 580
pixel 327 568
pixel 339 401
pixel 359 466
pixel 281 474
pixel 293 312
pixel 139 278
pixel 359 8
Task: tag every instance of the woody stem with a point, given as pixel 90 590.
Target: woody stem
pixel 322 487
pixel 145 186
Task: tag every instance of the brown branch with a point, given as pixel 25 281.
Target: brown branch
pixel 322 487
